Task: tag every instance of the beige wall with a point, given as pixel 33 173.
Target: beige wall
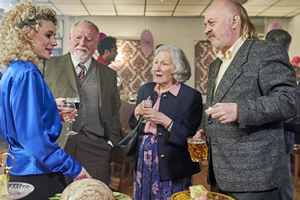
pixel 294 30
pixel 183 32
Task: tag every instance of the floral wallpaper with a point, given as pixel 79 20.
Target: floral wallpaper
pixel 132 66
pixel 204 56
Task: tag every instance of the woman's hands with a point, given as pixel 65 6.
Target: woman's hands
pixel 83 174
pixel 139 110
pixel 156 117
pixel 152 115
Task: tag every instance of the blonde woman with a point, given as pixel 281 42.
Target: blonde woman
pixel 29 119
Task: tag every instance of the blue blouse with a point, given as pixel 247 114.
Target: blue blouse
pixel 30 123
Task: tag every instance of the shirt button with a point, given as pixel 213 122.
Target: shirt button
pixel 162 156
pixel 159 134
pixel 164 96
pixel 209 122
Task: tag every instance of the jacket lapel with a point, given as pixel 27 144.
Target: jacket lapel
pixel 102 77
pixel 213 72
pixel 233 72
pixel 68 70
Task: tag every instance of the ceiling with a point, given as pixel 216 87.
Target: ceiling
pixel 154 8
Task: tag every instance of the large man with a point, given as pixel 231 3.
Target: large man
pixel 251 90
pixel 77 74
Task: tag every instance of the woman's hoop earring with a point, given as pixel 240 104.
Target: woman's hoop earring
pixel 31 43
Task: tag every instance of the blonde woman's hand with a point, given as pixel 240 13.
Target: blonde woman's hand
pixel 60 102
pixel 83 174
pixel 63 111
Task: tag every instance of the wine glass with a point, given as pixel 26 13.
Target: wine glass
pixel 69 115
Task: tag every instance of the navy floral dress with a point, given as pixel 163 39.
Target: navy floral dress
pixel 147 185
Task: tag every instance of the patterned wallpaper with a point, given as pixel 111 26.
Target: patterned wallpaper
pixel 204 56
pixel 134 67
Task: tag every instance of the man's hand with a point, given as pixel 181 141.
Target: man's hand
pixel 224 112
pixel 200 134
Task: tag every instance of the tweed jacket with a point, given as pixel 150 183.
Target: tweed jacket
pixel 185 110
pixel 59 75
pixel 249 155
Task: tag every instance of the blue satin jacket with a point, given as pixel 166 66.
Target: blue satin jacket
pixel 30 123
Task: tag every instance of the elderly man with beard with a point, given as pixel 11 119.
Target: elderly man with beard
pixel 77 74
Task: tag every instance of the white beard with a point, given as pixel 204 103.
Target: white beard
pixel 80 56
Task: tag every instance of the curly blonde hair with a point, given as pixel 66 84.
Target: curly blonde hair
pixel 23 20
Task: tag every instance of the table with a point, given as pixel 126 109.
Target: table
pixel 125 112
pixel 185 195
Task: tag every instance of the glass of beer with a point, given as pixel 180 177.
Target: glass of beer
pixel 197 148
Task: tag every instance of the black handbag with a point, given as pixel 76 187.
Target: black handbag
pixel 128 144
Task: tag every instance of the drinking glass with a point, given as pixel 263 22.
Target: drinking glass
pixel 147 104
pixel 69 115
pixel 198 148
pixel 75 100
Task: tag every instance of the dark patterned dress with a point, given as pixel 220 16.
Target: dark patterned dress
pixel 147 185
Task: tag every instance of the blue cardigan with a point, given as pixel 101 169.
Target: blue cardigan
pixel 185 110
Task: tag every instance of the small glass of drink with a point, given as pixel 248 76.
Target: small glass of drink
pixel 198 148
pixel 147 104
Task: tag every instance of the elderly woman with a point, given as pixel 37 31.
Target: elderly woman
pixel 162 163
pixel 29 118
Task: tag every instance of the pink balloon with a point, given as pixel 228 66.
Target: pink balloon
pixel 274 26
pixel 101 36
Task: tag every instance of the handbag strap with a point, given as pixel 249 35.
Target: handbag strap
pixel 141 118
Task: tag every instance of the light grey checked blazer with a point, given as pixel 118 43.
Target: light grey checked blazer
pixel 250 155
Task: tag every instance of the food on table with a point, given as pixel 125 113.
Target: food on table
pixel 56 197
pixel 87 189
pixel 197 191
pixel 202 198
